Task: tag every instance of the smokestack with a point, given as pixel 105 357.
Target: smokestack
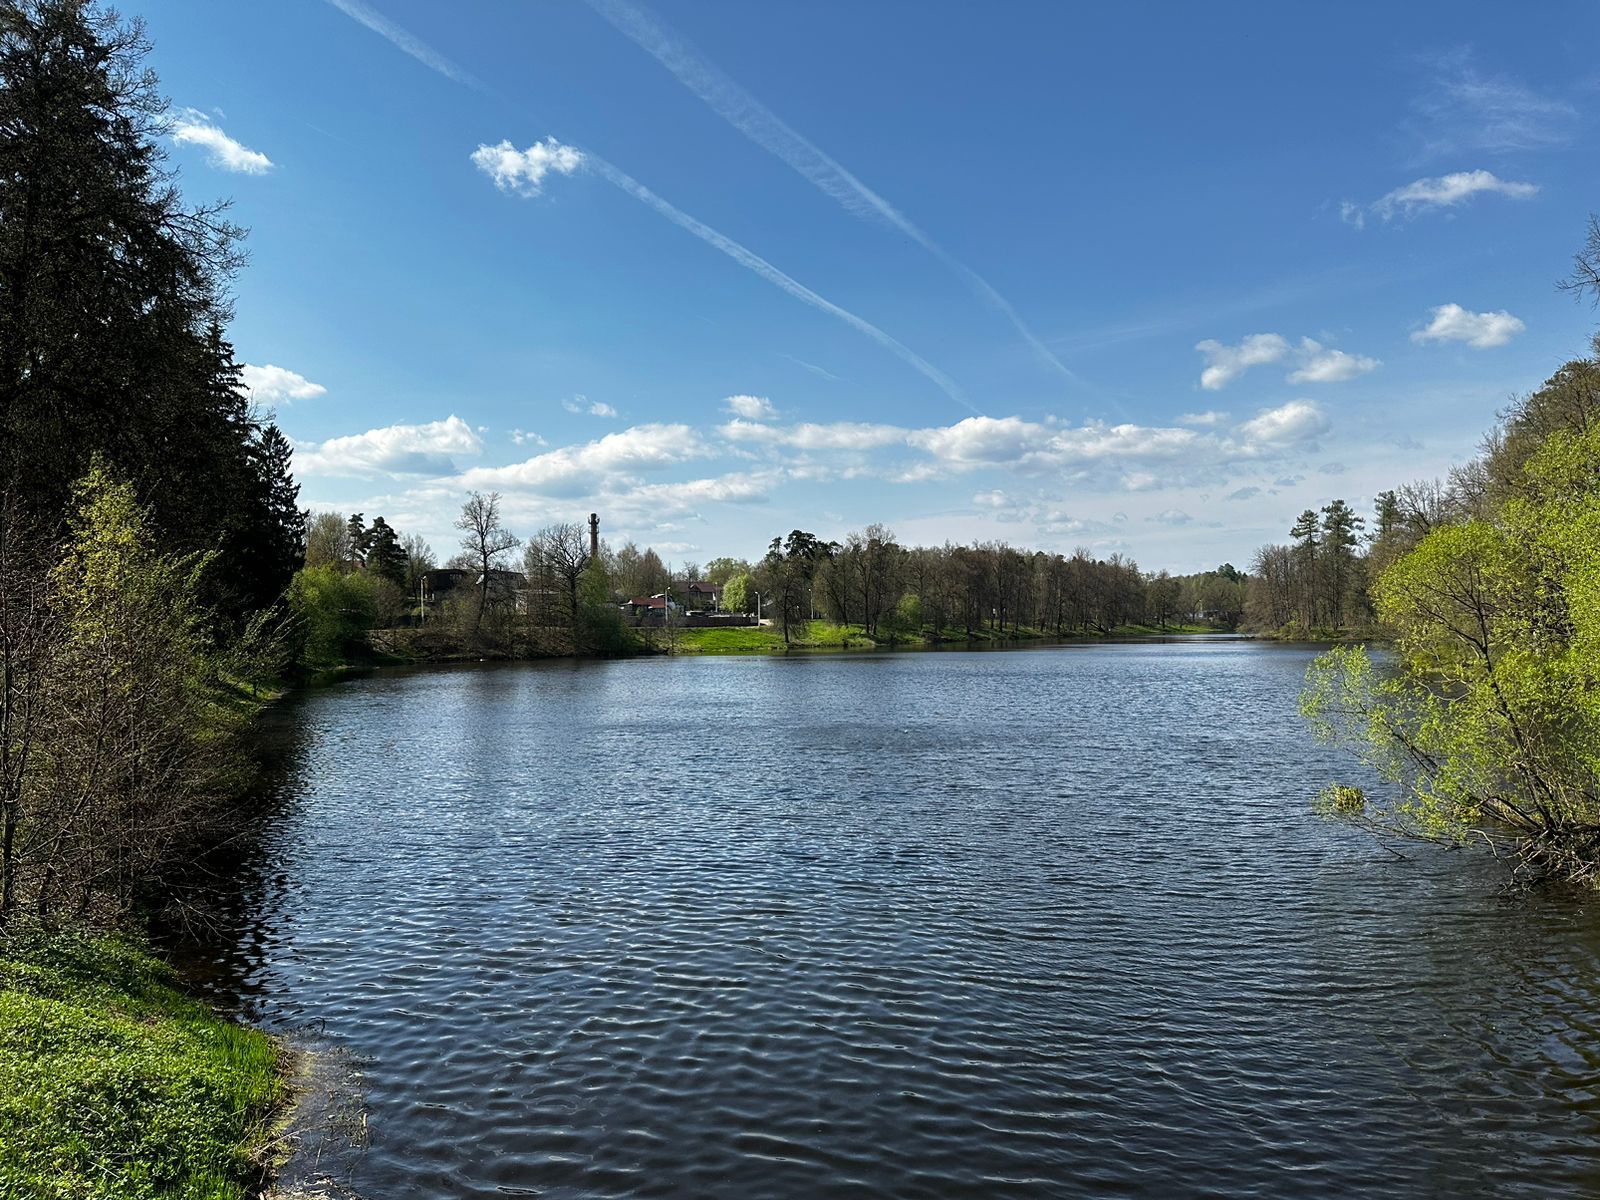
pixel 594 535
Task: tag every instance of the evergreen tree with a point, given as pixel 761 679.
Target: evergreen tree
pixel 386 558
pixel 112 302
pixel 1304 532
pixel 360 536
pixel 1339 540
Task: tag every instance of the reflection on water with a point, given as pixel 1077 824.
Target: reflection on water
pixel 1055 922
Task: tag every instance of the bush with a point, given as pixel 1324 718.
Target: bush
pixel 333 613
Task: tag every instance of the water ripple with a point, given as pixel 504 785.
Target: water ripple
pixel 1054 923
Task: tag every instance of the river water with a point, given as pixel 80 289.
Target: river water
pixel 1052 922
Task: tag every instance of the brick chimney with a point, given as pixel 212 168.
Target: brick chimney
pixel 594 535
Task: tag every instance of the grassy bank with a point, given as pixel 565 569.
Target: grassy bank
pixel 824 635
pixel 116 1086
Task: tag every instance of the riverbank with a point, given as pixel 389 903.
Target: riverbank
pixel 391 647
pixel 824 635
pixel 115 1085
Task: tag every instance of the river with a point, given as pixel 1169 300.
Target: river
pixel 1047 922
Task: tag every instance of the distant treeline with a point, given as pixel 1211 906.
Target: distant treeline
pixel 564 599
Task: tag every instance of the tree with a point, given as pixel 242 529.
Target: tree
pixel 736 593
pixel 485 542
pixel 1338 542
pixel 27 634
pixel 721 570
pixel 360 538
pixel 784 577
pixel 419 561
pixel 1585 275
pixel 556 560
pixel 327 540
pixel 333 612
pixel 112 302
pixel 386 558
pixel 904 621
pixel 1162 593
pixel 1491 728
pixel 135 749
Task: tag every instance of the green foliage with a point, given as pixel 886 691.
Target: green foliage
pixel 132 742
pixel 114 1086
pixel 736 594
pixel 603 631
pixel 333 611
pixel 1491 723
pixel 904 621
pixel 1343 801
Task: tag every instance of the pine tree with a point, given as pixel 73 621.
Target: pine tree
pixel 112 306
pixel 1304 532
pixel 1339 540
pixel 386 558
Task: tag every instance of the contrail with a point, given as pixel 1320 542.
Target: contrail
pixel 412 45
pixel 425 54
pixel 769 131
pixel 754 262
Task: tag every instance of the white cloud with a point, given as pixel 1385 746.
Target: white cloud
pixel 194 128
pixel 1171 516
pixel 1321 365
pixel 392 450
pixel 1446 191
pixel 1317 364
pixel 522 437
pixel 1464 110
pixel 1291 424
pixel 613 459
pixel 593 408
pixel 1205 419
pixel 1129 455
pixel 992 499
pixel 276 385
pixel 523 171
pixel 837 435
pixel 1452 323
pixel 1227 363
pixel 751 408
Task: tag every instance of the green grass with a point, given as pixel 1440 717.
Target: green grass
pixel 116 1086
pixel 824 635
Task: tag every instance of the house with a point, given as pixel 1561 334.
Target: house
pixel 437 585
pixel 702 595
pixel 446 583
pixel 649 610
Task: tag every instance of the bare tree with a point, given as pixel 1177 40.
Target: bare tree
pixel 1585 275
pixel 557 557
pixel 485 542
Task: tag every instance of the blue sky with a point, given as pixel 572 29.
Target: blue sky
pixel 1141 278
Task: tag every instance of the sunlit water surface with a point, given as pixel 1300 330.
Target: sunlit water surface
pixel 1056 922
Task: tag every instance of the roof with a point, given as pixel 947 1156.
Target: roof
pixel 648 602
pixel 705 587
